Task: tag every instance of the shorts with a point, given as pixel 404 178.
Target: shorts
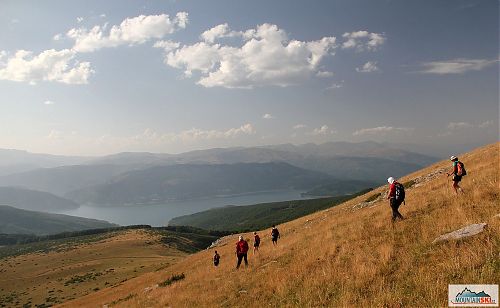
pixel 274 238
pixel 457 178
pixel 256 244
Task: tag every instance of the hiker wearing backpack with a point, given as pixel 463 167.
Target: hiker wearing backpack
pixel 241 251
pixel 396 197
pixel 275 235
pixel 256 242
pixel 458 171
pixel 216 259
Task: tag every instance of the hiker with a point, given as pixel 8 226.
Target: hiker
pixel 241 251
pixel 458 172
pixel 275 235
pixel 216 259
pixel 256 242
pixel 396 197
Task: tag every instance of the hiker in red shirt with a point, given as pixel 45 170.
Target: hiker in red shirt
pixel 458 170
pixel 241 251
pixel 256 242
pixel 396 196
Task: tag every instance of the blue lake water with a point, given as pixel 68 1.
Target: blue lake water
pixel 159 215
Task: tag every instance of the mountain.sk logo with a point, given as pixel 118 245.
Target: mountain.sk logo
pixel 473 295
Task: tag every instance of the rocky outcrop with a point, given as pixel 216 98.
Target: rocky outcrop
pixel 467 231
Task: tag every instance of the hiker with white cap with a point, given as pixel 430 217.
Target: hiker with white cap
pixel 458 172
pixel 241 251
pixel 396 197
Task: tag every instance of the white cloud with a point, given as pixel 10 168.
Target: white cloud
pixel 323 130
pixel 198 57
pixel 79 19
pixel 219 31
pixel 268 116
pixel 381 130
pixel 166 45
pixel 363 40
pixel 266 57
pixel 192 135
pixel 136 30
pixel 57 37
pixel 49 65
pixel 459 125
pixel 485 124
pixel 324 74
pixel 102 15
pixel 455 66
pixel 368 67
pixel 48 102
pixel 299 126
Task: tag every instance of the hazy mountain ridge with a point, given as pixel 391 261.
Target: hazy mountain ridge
pixel 189 181
pixel 26 199
pixel 61 180
pixel 13 161
pixel 346 162
pixel 17 221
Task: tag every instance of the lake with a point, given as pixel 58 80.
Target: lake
pixel 159 215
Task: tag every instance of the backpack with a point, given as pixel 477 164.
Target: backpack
pixel 399 194
pixel 461 169
pixel 275 232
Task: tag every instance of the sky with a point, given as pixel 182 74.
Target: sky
pixel 101 77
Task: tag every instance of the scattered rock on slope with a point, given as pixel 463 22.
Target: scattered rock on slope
pixel 467 231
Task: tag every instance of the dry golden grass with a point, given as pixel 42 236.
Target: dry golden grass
pixel 342 257
pixel 74 271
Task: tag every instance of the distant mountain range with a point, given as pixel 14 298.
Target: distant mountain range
pixel 189 181
pixel 17 221
pixel 26 199
pixel 14 161
pixel 61 180
pixel 131 178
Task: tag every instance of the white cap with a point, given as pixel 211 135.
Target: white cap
pixel 241 237
pixel 390 180
pixel 453 157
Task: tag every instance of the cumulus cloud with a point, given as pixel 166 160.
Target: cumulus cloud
pixel 381 130
pixel 47 102
pixel 192 135
pixel 57 37
pixel 131 31
pixel 368 67
pixel 268 116
pixel 222 31
pixel 459 125
pixel 266 57
pixel 323 130
pixel 455 66
pixel 79 19
pixel 363 40
pixel 49 65
pixel 166 45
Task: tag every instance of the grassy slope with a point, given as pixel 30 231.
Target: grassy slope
pixel 256 216
pixel 14 220
pixel 54 271
pixel 348 257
